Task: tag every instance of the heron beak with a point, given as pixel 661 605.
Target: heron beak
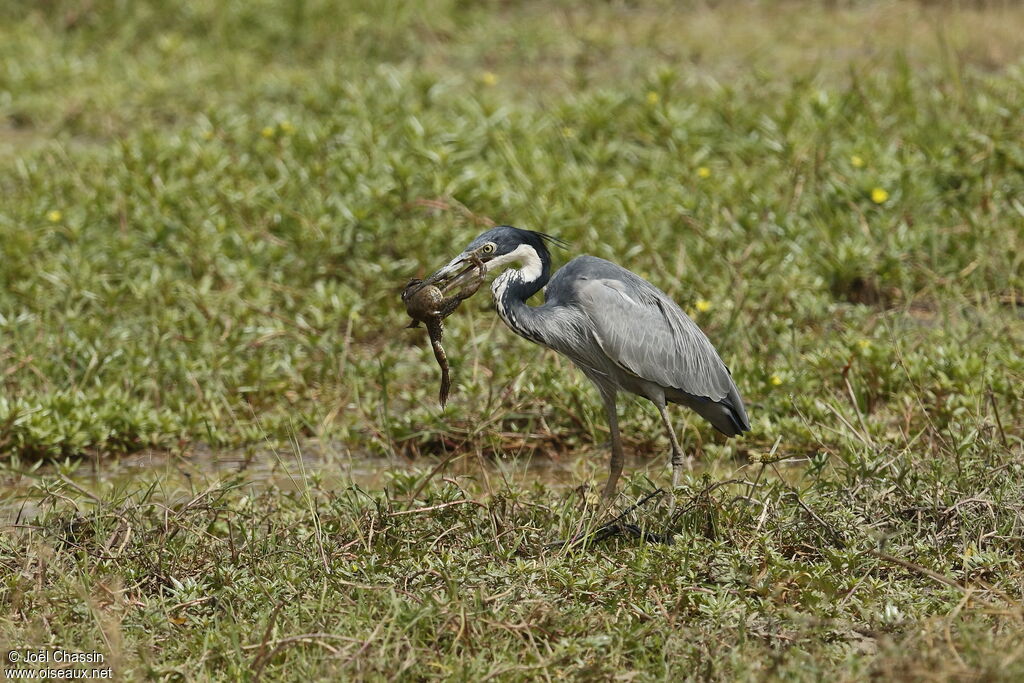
pixel 457 272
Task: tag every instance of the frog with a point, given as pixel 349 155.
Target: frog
pixel 427 303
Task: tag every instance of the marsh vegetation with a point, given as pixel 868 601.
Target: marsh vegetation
pixel 208 213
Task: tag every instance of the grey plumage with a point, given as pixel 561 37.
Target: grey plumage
pixel 624 333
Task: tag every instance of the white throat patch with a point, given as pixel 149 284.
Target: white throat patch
pixel 530 268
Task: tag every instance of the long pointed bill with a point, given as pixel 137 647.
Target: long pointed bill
pixel 457 272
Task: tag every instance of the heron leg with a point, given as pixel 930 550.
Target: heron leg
pixel 615 465
pixel 678 459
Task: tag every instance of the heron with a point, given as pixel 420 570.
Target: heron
pixel 622 332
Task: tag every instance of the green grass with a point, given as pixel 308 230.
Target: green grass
pixel 845 575
pixel 209 211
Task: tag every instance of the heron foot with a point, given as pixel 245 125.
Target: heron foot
pixel 678 465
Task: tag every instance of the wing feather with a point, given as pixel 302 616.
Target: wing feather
pixel 646 333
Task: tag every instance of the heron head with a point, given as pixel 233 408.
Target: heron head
pixel 498 247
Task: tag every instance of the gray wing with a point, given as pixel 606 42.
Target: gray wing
pixel 644 332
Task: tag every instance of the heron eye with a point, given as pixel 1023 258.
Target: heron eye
pixel 488 248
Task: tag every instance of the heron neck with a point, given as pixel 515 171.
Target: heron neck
pixel 511 292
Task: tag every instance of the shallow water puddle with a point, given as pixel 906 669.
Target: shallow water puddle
pixel 180 477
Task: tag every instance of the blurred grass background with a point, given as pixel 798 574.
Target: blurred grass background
pixel 209 208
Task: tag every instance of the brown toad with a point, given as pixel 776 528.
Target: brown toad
pixel 427 303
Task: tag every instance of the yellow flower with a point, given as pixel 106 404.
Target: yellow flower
pixel 489 78
pixel 775 380
pixel 703 172
pixel 267 132
pixel 879 195
pixel 703 305
pixel 54 216
pixel 864 344
pixel 857 161
pixel 286 127
pixel 652 97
